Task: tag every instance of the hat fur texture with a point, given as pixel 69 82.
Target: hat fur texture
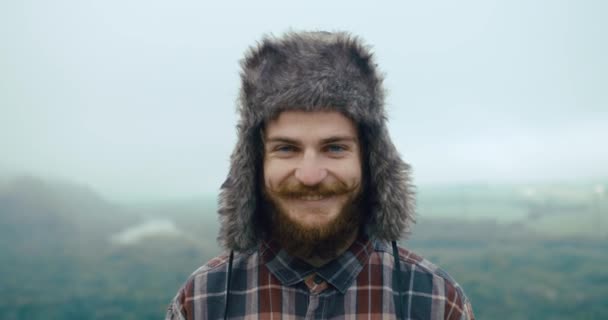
pixel 313 71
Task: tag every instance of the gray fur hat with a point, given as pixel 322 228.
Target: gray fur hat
pixel 313 71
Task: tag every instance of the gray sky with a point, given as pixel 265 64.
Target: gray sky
pixel 137 98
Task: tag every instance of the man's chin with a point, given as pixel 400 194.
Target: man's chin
pixel 320 235
pixel 315 230
pixel 317 221
pixel 310 211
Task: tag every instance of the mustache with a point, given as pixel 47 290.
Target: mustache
pixel 296 189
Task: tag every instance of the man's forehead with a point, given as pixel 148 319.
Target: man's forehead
pixel 310 124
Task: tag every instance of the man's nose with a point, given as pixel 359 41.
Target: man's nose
pixel 310 172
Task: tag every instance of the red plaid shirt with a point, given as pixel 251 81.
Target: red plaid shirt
pixel 360 284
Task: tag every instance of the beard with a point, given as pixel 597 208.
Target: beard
pixel 318 240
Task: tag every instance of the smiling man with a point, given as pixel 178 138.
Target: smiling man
pixel 316 198
pixel 312 181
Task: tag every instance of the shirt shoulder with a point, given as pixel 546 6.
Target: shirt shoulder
pixel 425 278
pixel 203 291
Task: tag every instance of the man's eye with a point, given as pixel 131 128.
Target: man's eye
pixel 285 148
pixel 335 148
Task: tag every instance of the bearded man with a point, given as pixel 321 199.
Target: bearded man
pixel 316 198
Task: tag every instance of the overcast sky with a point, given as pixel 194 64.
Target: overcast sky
pixel 137 98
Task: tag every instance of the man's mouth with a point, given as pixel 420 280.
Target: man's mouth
pixel 317 197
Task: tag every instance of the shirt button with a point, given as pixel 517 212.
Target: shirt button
pixel 315 284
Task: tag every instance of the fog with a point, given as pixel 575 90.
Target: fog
pixel 137 99
pixel 150 228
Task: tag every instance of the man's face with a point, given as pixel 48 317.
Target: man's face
pixel 312 171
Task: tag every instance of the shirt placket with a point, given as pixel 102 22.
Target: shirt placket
pixel 316 285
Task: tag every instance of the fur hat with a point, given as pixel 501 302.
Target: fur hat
pixel 313 71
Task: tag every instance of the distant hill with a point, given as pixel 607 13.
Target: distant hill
pixel 59 260
pixel 40 215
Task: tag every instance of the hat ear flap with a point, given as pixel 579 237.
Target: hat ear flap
pixel 393 209
pixel 238 198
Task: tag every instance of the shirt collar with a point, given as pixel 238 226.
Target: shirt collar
pixel 340 272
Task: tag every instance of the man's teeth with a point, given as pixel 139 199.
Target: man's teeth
pixel 312 198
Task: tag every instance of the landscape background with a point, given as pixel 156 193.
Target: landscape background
pixel 533 252
pixel 117 121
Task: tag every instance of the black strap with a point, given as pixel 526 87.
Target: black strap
pixel 228 284
pixel 398 275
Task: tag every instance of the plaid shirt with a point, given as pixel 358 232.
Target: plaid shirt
pixel 359 284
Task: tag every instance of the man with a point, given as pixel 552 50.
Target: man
pixel 316 198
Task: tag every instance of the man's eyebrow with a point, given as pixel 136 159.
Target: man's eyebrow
pixel 281 140
pixel 339 139
pixel 332 139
